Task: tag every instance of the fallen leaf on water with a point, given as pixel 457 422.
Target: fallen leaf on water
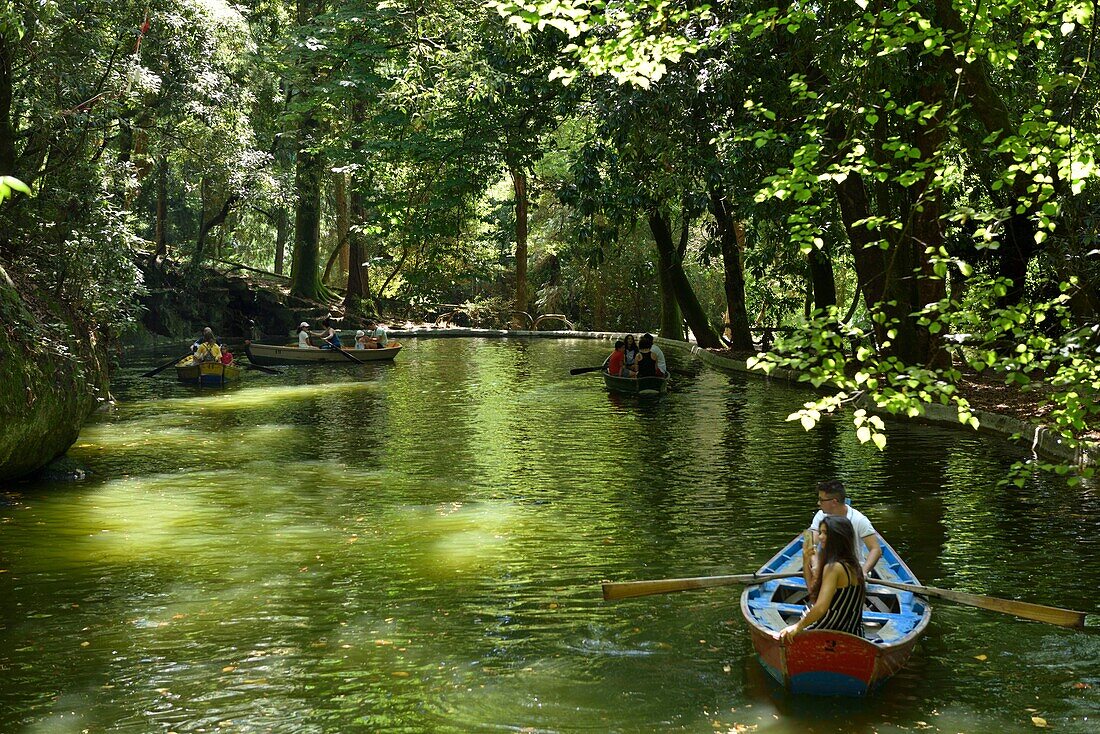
pixel 981 657
pixel 229 668
pixel 1081 686
pixel 85 643
pixel 553 605
pixel 725 668
pixel 1039 721
pixel 400 674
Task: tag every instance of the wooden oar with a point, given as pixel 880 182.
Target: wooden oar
pixel 261 368
pixel 625 589
pixel 166 365
pixel 1023 609
pixel 583 370
pixel 341 351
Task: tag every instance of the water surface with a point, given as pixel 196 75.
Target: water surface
pixel 416 547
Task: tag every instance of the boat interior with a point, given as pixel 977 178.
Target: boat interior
pixel 888 615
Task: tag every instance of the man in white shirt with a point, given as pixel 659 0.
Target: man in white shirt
pixel 831 501
pixel 378 337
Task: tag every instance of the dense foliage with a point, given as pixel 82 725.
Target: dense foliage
pixel 914 179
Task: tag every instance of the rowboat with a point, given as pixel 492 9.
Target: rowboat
pixel 636 385
pixel 207 373
pixel 268 355
pixel 826 662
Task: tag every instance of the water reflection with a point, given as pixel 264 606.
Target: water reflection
pixel 417 547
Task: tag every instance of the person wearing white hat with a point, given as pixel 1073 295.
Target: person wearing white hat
pixel 361 339
pixel 303 336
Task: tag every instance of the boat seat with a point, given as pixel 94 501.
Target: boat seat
pixel 891 626
pixel 770 617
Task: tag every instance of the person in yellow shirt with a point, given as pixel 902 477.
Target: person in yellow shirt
pixel 207 349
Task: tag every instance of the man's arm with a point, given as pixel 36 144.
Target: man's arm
pixel 874 552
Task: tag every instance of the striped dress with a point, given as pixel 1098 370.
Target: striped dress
pixel 845 613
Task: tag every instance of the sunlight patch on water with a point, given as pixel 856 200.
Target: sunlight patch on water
pixel 459 536
pixel 258 397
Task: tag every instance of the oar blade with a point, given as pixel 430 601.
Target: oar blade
pixel 584 370
pixel 1022 609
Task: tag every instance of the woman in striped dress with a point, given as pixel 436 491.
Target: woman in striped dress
pixel 840 587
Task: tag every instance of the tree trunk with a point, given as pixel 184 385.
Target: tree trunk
pixel 519 183
pixel 161 235
pixel 282 226
pixel 206 226
pixel 358 275
pixel 671 326
pixel 7 130
pixel 305 266
pixel 822 281
pixel 340 197
pixel 669 262
pixel 731 238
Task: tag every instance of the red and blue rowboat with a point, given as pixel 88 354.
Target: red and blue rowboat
pixel 825 662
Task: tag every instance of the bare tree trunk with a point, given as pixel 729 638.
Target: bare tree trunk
pixel 670 262
pixel 282 226
pixel 519 183
pixel 305 266
pixel 161 236
pixel 822 280
pixel 731 237
pixel 340 195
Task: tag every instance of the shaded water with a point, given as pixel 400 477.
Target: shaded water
pixel 417 547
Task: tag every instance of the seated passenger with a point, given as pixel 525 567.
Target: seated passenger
pixel 615 361
pixel 379 337
pixel 645 344
pixel 361 339
pixel 630 354
pixel 207 350
pixel 645 365
pixel 227 356
pixel 303 336
pixel 840 588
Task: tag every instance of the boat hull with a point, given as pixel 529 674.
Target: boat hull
pixel 212 374
pixel 636 386
pixel 827 662
pixel 269 355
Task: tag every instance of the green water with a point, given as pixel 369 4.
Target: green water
pixel 417 547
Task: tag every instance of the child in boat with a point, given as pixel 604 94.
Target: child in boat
pixel 840 588
pixel 361 340
pixel 616 360
pixel 303 336
pixel 227 356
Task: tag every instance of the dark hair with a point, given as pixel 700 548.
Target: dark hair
pixel 833 488
pixel 618 343
pixel 630 338
pixel 646 341
pixel 840 547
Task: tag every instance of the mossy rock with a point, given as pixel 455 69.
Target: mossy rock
pixel 54 376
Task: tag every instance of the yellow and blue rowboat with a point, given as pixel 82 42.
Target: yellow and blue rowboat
pixel 211 374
